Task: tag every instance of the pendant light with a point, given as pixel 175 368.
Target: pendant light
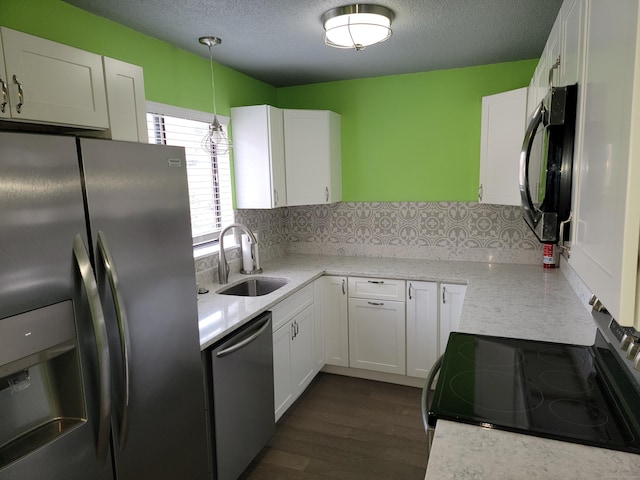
pixel 357 26
pixel 216 140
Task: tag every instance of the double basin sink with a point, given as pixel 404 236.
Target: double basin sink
pixel 254 287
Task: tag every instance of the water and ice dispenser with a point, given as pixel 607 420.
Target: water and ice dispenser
pixel 41 394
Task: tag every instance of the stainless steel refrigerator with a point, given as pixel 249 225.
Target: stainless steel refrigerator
pixel 100 370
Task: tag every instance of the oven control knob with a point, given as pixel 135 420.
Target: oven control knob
pixel 627 339
pixel 633 349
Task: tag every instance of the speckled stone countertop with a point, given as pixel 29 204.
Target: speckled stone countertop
pixel 521 301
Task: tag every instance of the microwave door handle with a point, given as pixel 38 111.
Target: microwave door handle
pixel 537 118
pixel 100 331
pixel 123 330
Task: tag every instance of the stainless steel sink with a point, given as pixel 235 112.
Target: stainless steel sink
pixel 254 287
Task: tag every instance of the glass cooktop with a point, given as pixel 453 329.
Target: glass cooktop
pixel 547 389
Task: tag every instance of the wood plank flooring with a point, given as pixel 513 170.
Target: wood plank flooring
pixel 347 428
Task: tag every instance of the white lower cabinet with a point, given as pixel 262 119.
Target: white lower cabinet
pixel 451 300
pixel 423 336
pixel 377 335
pixel 334 308
pixel 294 361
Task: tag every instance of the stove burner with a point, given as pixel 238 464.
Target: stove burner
pixel 577 412
pixel 484 390
pixel 566 381
pixel 476 353
pixel 562 357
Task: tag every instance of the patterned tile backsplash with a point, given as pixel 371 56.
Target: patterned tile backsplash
pixel 427 230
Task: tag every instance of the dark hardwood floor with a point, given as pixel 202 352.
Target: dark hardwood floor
pixel 347 428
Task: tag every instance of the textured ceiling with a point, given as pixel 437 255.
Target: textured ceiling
pixel 280 41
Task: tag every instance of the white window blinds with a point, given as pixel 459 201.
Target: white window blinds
pixel 209 175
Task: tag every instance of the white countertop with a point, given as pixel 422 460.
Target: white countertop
pixel 520 301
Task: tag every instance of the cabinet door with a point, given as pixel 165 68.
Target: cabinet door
pixel 312 151
pixel 318 326
pixel 125 101
pixel 258 156
pixel 572 14
pixel 5 108
pixel 502 132
pixel 451 300
pixel 282 389
pixel 422 327
pixel 335 319
pixel 377 335
pixel 54 83
pixel 302 356
pixel 604 251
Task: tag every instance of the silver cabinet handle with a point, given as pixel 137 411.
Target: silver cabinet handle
pixel 261 327
pixel 379 282
pixel 123 330
pixel 377 304
pixel 444 290
pixel 275 197
pixel 20 94
pixel 293 331
pixel 480 192
pixel 5 95
pixel 100 331
pixel 344 291
pixel 553 67
pixel 326 193
pixel 297 327
pixel 410 286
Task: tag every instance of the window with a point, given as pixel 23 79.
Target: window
pixel 208 174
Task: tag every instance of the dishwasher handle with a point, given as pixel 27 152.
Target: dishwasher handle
pixel 261 326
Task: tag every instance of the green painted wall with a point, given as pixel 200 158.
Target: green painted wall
pixel 413 137
pixel 171 75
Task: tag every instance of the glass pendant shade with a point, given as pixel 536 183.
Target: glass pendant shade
pixel 357 26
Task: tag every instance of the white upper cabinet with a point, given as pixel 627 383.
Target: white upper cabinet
pixel 258 156
pixel 572 18
pixel 606 226
pixel 53 83
pixel 502 132
pixel 125 101
pixel 312 157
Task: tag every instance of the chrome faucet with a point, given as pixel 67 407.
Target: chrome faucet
pixel 223 266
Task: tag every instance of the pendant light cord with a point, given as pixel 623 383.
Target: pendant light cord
pixel 213 84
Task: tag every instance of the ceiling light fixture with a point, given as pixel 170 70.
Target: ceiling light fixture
pixel 357 26
pixel 216 141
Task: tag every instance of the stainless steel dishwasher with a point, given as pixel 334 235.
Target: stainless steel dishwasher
pixel 240 391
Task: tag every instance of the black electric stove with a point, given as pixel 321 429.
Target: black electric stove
pixel 564 392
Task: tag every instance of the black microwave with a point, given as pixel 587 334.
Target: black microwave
pixel 546 163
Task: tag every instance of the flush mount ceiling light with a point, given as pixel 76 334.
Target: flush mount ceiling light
pixel 216 140
pixel 356 26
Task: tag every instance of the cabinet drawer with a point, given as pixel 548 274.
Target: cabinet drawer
pixel 376 288
pixel 291 306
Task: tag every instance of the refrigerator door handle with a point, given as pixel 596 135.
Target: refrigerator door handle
pixel 123 330
pixel 100 331
pixel 529 210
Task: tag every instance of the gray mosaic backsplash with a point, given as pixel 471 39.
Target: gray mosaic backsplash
pixel 427 230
